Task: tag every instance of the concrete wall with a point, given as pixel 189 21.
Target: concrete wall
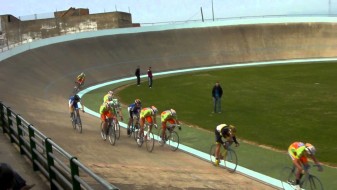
pixel 15 31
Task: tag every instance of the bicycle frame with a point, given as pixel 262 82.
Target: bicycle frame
pixel 308 181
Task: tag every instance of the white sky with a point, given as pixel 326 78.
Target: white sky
pixel 152 11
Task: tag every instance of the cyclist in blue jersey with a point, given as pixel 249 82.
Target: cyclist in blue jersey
pixel 134 110
pixel 73 105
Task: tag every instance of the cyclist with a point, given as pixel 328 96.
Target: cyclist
pixel 134 110
pixel 228 132
pixel 73 105
pixel 108 97
pixel 117 109
pixel 80 80
pixel 106 112
pixel 148 114
pixel 299 152
pixel 168 116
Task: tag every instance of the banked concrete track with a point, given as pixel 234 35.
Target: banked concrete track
pixel 38 82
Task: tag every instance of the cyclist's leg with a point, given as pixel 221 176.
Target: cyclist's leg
pixel 163 135
pixel 141 123
pixel 150 122
pixel 219 142
pixel 104 122
pixel 129 123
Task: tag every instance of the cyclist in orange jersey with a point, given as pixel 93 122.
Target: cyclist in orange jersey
pixel 148 114
pixel 299 153
pixel 168 116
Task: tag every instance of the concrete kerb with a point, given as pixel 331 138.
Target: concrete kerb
pixel 204 156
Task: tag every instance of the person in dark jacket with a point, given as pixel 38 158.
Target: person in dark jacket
pixel 217 94
pixel 149 76
pixel 137 74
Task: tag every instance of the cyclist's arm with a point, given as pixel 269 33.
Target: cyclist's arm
pixel 316 162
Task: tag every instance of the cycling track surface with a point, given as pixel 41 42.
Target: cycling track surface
pixel 37 83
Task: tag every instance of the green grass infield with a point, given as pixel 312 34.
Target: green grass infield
pixel 271 106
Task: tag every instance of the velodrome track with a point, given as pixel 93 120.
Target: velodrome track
pixel 38 82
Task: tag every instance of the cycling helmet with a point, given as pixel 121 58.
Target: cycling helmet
pixel 232 128
pixel 111 92
pixel 76 97
pixel 154 109
pixel 137 101
pixel 311 150
pixel 173 112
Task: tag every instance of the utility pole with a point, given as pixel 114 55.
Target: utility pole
pixel 202 15
pixel 212 10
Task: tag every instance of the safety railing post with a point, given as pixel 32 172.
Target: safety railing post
pixel 21 143
pixel 32 146
pixel 74 172
pixel 9 124
pixel 50 161
pixel 2 117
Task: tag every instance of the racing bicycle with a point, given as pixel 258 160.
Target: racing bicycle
pixel 308 181
pixel 110 132
pixel 228 155
pixel 171 137
pixel 76 121
pixel 77 87
pixel 147 136
pixel 134 128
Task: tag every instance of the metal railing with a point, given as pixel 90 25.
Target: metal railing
pixel 62 170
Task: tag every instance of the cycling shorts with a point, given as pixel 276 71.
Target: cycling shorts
pixel 218 136
pixel 171 121
pixel 148 119
pixel 106 115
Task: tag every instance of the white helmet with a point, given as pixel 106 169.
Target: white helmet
pixel 173 112
pixel 311 150
pixel 155 110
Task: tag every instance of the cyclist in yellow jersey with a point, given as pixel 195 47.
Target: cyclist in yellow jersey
pixel 148 114
pixel 298 152
pixel 228 132
pixel 80 79
pixel 108 97
pixel 168 116
pixel 106 113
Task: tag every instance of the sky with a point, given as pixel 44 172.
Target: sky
pixel 155 11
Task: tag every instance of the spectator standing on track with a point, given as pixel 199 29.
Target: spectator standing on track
pixel 137 74
pixel 149 76
pixel 217 94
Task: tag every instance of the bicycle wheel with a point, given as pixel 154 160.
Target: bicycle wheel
pixel 288 178
pixel 118 130
pixel 149 141
pixel 79 124
pixel 136 131
pixel 112 134
pixel 312 183
pixel 173 140
pixel 231 160
pixel 103 133
pixel 73 121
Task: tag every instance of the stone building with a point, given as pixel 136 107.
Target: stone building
pixel 14 31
